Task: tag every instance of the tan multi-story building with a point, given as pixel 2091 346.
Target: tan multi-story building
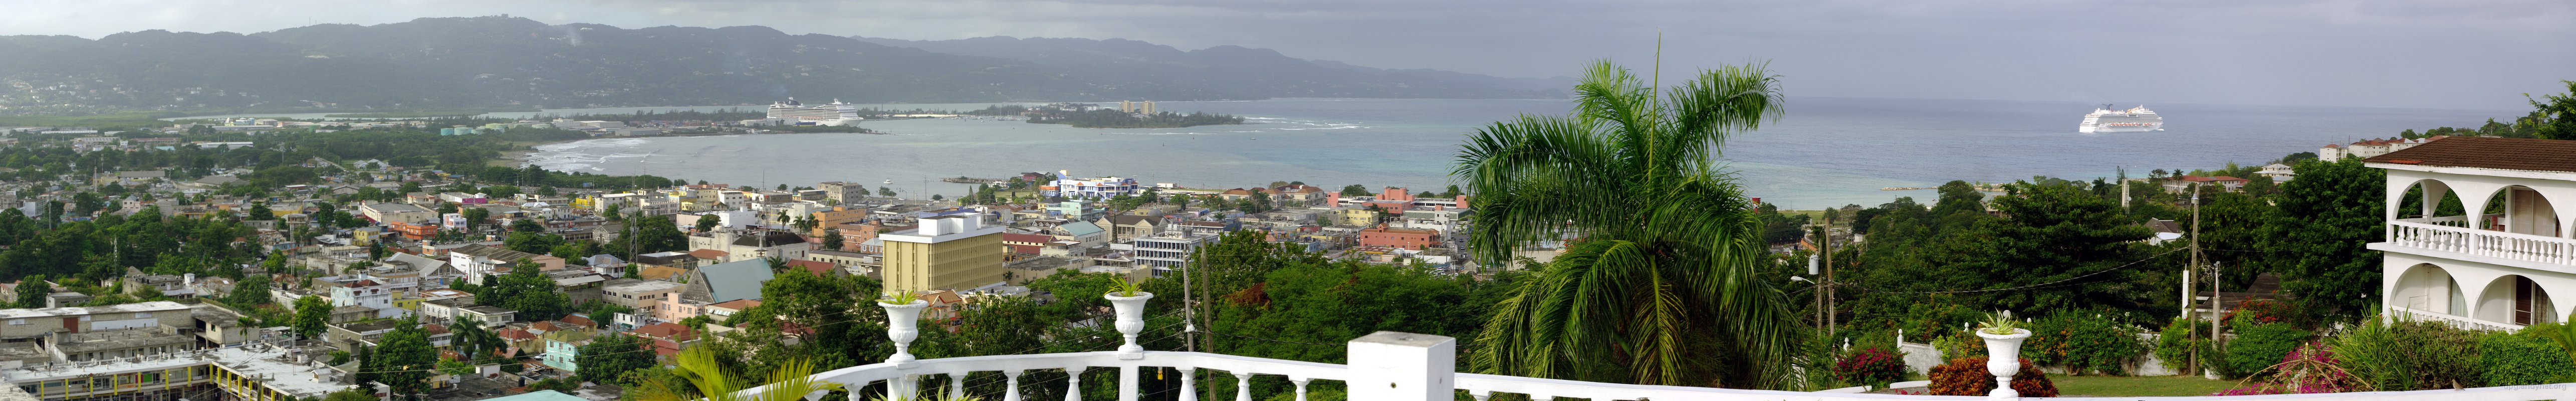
pixel 946 252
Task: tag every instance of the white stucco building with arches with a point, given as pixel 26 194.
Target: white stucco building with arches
pixel 2474 236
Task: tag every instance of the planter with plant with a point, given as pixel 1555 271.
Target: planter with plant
pixel 1128 300
pixel 2003 351
pixel 903 318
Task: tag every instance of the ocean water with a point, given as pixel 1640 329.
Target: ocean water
pixel 1823 152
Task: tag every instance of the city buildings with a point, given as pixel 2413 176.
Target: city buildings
pixel 1088 188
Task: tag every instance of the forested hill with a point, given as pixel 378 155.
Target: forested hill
pixel 503 61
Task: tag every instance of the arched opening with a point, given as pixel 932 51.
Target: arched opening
pixel 2520 210
pixel 2447 207
pixel 2516 299
pixel 2429 288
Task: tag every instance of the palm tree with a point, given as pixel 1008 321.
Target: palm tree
pixel 791 382
pixel 1659 286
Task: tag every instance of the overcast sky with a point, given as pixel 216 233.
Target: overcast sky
pixel 2458 54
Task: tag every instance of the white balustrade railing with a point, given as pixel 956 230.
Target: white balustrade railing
pixel 2455 321
pixel 1418 367
pixel 2475 242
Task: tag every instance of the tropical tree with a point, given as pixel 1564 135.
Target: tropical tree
pixel 1661 287
pixel 699 366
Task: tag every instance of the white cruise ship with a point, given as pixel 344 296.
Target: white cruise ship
pixel 2135 119
pixel 835 113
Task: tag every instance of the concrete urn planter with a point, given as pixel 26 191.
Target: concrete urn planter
pixel 2003 359
pixel 1131 320
pixel 902 326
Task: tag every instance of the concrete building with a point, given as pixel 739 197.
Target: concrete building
pixel 1088 188
pixel 387 213
pixel 477 261
pixel 841 193
pixel 1400 238
pixel 643 295
pixel 2490 271
pixel 947 252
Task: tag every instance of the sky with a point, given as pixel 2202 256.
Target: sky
pixel 2452 54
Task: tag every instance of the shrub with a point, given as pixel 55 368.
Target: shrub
pixel 2082 342
pixel 2262 346
pixel 2175 343
pixel 1968 376
pixel 2409 355
pixel 1871 367
pixel 2523 358
pixel 2311 369
pixel 2264 311
pixel 1960 344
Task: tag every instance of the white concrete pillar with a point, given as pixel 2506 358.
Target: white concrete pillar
pixel 1389 365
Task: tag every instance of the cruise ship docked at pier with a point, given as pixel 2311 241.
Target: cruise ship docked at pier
pixel 835 113
pixel 2135 119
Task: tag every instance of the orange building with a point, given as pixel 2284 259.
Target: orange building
pixel 1405 238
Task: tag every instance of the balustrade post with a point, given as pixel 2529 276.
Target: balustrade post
pixel 902 323
pixel 1189 384
pixel 1073 382
pixel 1131 320
pixel 956 385
pixel 1127 383
pixel 1242 386
pixel 1480 395
pixel 1390 365
pixel 1011 385
pixel 1301 386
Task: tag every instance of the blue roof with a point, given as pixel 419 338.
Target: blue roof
pixel 735 280
pixel 1080 228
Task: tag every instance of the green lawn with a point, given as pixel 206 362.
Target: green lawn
pixel 2137 386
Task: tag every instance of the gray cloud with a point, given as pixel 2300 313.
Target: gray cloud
pixel 2447 54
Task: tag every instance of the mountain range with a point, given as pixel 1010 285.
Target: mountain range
pixel 501 61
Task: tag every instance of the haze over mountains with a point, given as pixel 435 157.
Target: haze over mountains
pixel 505 61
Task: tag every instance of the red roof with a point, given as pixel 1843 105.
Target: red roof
pixel 738 304
pixel 580 320
pixel 819 268
pixel 515 333
pixel 2488 153
pixel 667 331
pixel 708 254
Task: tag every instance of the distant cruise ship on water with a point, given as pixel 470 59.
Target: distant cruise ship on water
pixel 2135 119
pixel 835 113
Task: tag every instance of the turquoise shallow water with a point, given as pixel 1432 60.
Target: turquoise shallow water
pixel 1823 152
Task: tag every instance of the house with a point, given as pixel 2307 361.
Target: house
pixel 645 296
pixel 727 281
pixel 816 267
pixel 387 212
pixel 667 338
pixel 2370 148
pixel 2278 172
pixel 2486 271
pixel 1399 238
pixel 488 316
pixel 738 245
pixel 562 346
pixel 2185 182
pixel 1127 227
pixel 726 309
pixel 477 260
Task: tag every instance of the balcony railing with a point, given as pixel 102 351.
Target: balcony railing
pixel 2454 321
pixel 1389 366
pixel 2475 242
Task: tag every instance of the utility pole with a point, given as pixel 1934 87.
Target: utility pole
pixel 2187 293
pixel 1830 319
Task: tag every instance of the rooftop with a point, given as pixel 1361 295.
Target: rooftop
pixel 262 363
pixel 154 306
pixel 2488 153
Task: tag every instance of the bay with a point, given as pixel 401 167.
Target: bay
pixel 1823 151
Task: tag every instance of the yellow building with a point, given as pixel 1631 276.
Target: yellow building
pixel 1357 216
pixel 946 252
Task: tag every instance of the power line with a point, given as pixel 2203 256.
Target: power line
pixel 2040 285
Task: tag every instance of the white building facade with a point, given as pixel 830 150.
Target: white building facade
pixel 2495 271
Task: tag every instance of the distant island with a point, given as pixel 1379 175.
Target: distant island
pixel 1083 115
pixel 431 113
